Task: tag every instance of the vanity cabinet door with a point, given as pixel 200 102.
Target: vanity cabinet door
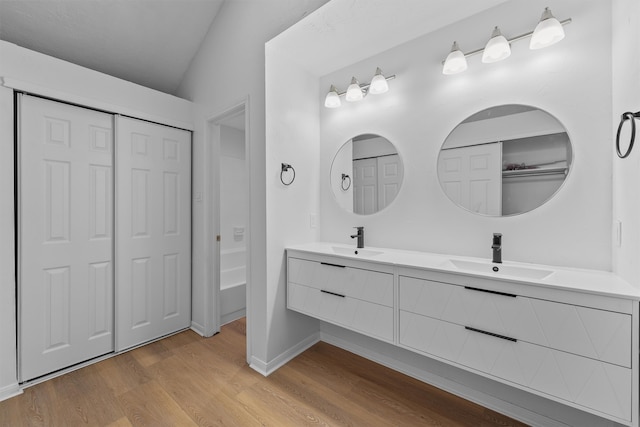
pixel 597 334
pixel 593 385
pixel 355 298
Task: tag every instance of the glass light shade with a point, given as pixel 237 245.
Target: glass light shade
pixel 455 62
pixel 378 83
pixel 548 31
pixel 354 91
pixel 497 48
pixel 332 100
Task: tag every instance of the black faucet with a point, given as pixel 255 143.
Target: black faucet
pixel 497 248
pixel 360 236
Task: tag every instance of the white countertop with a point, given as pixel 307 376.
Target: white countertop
pixel 574 279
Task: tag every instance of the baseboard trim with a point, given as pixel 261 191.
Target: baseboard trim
pixel 10 391
pixel 516 412
pixel 197 328
pixel 267 368
pixel 258 365
pixel 233 316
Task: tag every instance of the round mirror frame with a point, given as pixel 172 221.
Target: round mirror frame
pixel 345 187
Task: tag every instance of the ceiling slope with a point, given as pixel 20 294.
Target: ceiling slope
pixel 148 42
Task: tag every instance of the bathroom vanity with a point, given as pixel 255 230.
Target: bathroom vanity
pixel 569 335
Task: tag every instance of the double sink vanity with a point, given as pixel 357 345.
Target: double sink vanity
pixel 570 335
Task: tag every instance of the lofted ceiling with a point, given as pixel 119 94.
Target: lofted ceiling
pixel 148 42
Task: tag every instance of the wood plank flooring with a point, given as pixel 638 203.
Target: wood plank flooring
pixel 186 380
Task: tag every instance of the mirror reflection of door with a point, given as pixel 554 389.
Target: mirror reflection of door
pixel 365 186
pixel 471 177
pixel 377 174
pixel 389 179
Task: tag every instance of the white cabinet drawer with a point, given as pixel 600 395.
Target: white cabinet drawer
pixel 362 316
pixel 592 384
pixel 597 334
pixel 366 285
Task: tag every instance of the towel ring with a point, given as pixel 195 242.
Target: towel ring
pixel 284 168
pixel 345 177
pixel 630 117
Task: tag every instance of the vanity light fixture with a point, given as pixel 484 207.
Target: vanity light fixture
pixel 497 48
pixel 332 99
pixel 357 91
pixel 378 83
pixel 548 32
pixel 354 91
pixel 455 62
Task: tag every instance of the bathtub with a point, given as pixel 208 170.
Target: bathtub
pixel 233 284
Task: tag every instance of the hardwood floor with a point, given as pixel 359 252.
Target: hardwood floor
pixel 186 380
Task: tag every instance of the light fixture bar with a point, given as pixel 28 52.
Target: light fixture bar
pixel 365 86
pixel 512 40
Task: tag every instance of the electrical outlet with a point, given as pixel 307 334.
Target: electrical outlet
pixel 313 220
pixel 617 231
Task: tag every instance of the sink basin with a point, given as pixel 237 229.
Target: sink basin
pixel 355 252
pixel 498 269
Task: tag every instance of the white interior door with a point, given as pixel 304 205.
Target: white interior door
pixel 66 235
pixel 365 186
pixel 153 249
pixel 390 174
pixel 472 177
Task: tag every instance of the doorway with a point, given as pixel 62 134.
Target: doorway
pixel 233 208
pixel 228 217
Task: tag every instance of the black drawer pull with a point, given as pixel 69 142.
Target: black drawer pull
pixel 332 265
pixel 332 293
pixel 480 331
pixel 504 294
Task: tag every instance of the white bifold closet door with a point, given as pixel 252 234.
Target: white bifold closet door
pixel 153 253
pixel 66 235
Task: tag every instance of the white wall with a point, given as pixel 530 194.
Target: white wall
pixel 229 69
pixel 292 137
pixel 570 80
pixel 58 79
pixel 626 97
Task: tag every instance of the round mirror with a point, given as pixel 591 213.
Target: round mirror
pixel 366 174
pixel 504 160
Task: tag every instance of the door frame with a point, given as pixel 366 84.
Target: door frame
pixel 212 216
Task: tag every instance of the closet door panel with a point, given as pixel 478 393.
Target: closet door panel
pixel 390 175
pixel 154 231
pixel 365 186
pixel 65 235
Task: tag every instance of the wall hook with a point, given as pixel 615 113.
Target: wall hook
pixel 285 167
